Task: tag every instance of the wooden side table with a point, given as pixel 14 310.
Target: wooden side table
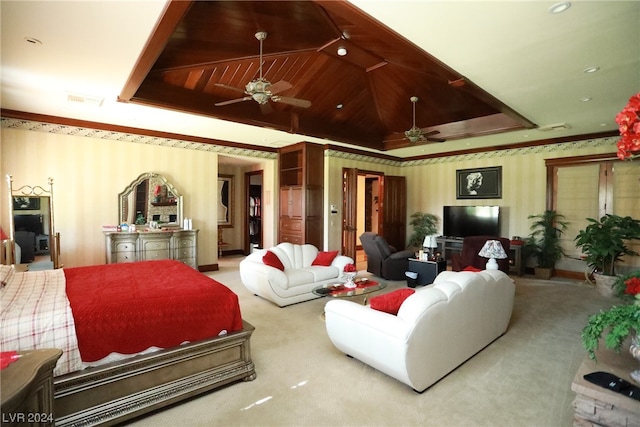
pixel 427 270
pixel 27 389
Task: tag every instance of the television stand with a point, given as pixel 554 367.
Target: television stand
pixel 448 245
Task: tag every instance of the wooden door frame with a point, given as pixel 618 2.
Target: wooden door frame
pixel 350 207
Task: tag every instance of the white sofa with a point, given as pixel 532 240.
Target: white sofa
pixel 437 328
pixel 296 282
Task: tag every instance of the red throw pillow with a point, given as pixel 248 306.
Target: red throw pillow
pixel 272 260
pixel 325 258
pixel 391 302
pixel 472 268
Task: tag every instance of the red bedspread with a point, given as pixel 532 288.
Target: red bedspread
pixel 127 308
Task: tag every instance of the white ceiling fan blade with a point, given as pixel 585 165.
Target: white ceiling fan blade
pixel 303 103
pixel 232 101
pixel 279 87
pixel 237 89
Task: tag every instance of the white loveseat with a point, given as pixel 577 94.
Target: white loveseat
pixel 437 328
pixel 295 283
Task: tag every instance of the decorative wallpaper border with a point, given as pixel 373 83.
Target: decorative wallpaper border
pixel 130 137
pixel 36 126
pixel 548 148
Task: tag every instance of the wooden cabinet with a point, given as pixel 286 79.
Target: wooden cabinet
pixel 27 389
pixel 180 245
pixel 301 194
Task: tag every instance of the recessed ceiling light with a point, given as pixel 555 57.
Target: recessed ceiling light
pixel 585 99
pixel 590 70
pixel 342 51
pixel 33 41
pixel 560 7
pixel 339 106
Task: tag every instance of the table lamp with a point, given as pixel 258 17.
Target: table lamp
pixel 492 249
pixel 430 243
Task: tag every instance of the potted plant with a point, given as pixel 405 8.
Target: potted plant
pixel 544 241
pixel 617 324
pixel 604 242
pixel 424 224
pixel 628 287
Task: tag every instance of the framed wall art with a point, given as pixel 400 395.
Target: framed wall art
pixel 479 183
pixel 26 203
pixel 225 200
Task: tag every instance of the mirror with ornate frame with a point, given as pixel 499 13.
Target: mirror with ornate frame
pixel 31 227
pixel 150 198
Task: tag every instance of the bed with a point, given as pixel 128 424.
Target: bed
pixel 135 337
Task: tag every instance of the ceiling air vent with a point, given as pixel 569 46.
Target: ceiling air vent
pixel 76 98
pixel 556 127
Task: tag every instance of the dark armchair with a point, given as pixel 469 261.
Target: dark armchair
pixel 384 260
pixel 27 242
pixel 469 255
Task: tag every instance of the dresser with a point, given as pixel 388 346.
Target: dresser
pixel 181 245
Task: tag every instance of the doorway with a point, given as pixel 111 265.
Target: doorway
pixel 387 212
pixel 368 212
pixel 253 207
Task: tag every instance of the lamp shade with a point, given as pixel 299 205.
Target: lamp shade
pixel 430 241
pixel 492 249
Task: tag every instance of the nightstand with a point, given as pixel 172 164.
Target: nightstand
pixel 427 270
pixel 27 388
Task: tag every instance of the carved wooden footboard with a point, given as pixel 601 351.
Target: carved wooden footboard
pixel 120 391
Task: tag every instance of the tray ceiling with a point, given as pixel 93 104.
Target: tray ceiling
pixel 200 50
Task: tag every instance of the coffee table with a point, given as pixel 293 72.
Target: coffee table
pixel 338 290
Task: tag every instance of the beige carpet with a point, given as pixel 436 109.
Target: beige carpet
pixel 522 379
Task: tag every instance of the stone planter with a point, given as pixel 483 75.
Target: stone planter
pixel 604 284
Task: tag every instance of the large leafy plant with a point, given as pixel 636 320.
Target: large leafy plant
pixel 604 241
pixel 424 224
pixel 544 241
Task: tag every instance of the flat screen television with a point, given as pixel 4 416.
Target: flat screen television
pixel 29 223
pixel 463 221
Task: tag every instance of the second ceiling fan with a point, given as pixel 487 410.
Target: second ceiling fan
pixel 262 91
pixel 415 134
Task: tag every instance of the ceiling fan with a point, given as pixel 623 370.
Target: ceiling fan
pixel 415 134
pixel 262 91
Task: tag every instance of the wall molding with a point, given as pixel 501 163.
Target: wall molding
pixel 164 141
pixel 140 136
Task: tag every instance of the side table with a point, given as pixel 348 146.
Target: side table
pixel 427 271
pixel 595 405
pixel 27 388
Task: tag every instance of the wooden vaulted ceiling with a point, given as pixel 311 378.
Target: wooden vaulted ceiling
pixel 197 45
